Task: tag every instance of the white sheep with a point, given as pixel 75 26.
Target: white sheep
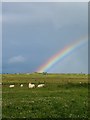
pixel 11 86
pixel 80 83
pixel 21 85
pixel 41 85
pixel 31 85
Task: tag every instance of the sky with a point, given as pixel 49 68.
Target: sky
pixel 0 37
pixel 33 32
pixel 44 0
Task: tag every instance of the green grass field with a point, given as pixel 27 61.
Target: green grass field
pixel 62 97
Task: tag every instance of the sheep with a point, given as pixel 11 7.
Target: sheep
pixel 80 83
pixel 21 85
pixel 11 86
pixel 31 85
pixel 41 85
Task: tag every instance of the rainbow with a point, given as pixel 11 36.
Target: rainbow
pixel 59 56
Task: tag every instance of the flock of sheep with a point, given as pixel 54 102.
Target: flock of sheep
pixel 30 85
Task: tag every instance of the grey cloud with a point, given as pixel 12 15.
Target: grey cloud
pixel 45 0
pixel 17 59
pixel 58 14
pixel 38 30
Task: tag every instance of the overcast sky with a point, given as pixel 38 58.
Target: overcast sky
pixel 0 37
pixel 34 32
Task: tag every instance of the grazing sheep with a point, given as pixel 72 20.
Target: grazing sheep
pixel 80 82
pixel 11 86
pixel 41 85
pixel 21 85
pixel 31 85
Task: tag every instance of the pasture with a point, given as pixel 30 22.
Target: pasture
pixel 64 96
